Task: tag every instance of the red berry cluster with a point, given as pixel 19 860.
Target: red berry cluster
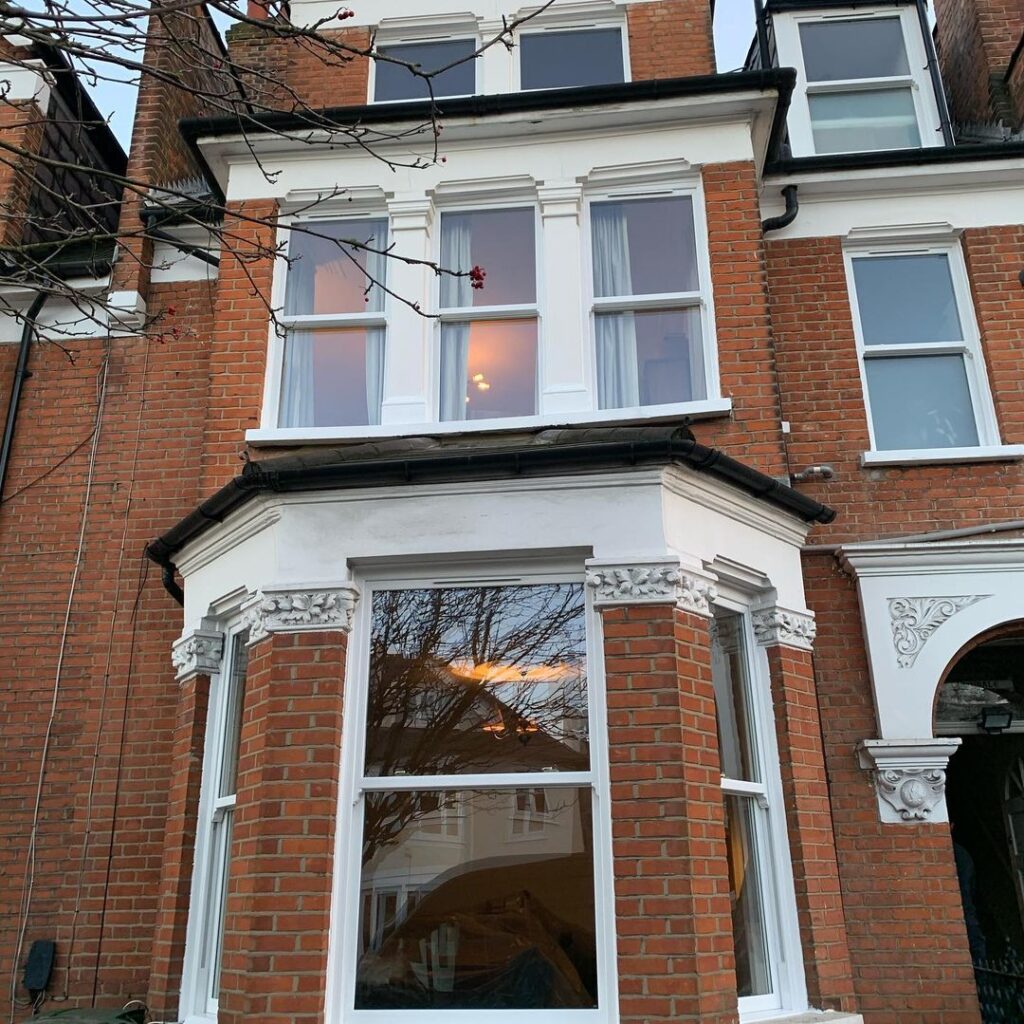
pixel 344 13
pixel 477 275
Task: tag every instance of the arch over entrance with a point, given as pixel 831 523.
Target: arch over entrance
pixel 981 701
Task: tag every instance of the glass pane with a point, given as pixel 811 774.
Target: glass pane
pixel 501 242
pixel 327 276
pixel 220 863
pixel 644 247
pixel 870 119
pixel 479 920
pixel 233 714
pixel 553 60
pixel 394 82
pixel 750 938
pixel 333 377
pixel 731 677
pixel 649 358
pixel 921 402
pixel 488 369
pixel 906 300
pixel 835 51
pixel 478 679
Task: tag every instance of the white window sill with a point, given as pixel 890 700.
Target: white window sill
pixel 911 457
pixel 324 435
pixel 808 1017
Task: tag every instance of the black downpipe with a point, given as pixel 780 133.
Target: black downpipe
pixel 171 584
pixel 945 124
pixel 762 35
pixel 784 219
pixel 21 374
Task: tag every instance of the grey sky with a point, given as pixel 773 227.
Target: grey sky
pixel 734 29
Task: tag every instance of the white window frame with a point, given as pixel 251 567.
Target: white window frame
pixel 346 901
pixel 197 1005
pixel 775 863
pixel 467 314
pixel 969 348
pixel 436 32
pixel 790 49
pixel 277 343
pixel 590 23
pixel 702 299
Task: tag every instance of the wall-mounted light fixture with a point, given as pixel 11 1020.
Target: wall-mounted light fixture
pixel 996 719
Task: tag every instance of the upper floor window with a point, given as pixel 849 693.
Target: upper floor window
pixel 923 373
pixel 451 59
pixel 489 335
pixel 575 57
pixel 333 372
pixel 863 83
pixel 648 304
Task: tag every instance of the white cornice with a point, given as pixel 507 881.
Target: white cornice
pixel 237 528
pixel 937 557
pixel 735 504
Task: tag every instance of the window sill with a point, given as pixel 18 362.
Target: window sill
pixel 924 456
pixel 808 1017
pixel 272 436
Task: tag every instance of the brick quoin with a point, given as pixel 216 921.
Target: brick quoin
pixel 672 902
pixel 279 892
pixel 809 820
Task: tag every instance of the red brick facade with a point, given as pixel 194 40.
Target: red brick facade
pixel 116 446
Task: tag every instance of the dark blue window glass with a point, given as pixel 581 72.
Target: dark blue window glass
pixel 395 82
pixel 556 60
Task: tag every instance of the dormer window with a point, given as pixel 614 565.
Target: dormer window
pixel 451 59
pixel 863 84
pixel 560 60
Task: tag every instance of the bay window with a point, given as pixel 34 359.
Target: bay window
pixel 925 385
pixel 489 335
pixel 571 57
pixel 765 941
pixel 334 312
pixel 649 310
pixel 472 730
pixel 216 818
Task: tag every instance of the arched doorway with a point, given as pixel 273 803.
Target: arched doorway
pixel 982 701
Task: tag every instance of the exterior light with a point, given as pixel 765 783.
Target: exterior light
pixel 995 720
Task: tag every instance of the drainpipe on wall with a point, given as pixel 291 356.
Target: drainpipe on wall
pixel 21 374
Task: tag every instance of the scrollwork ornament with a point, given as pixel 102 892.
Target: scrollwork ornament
pixel 197 653
pixel 778 626
pixel 915 620
pixel 697 595
pixel 634 584
pixel 300 611
pixel 911 792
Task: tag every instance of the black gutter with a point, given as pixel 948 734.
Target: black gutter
pixel 927 156
pixel 185 247
pixel 779 80
pixel 571 450
pixel 21 374
pixel 945 124
pixel 783 220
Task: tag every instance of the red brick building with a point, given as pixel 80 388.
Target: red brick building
pixel 617 641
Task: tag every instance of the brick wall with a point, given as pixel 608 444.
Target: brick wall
pixel 976 39
pixel 904 920
pixel 823 400
pixel 670 39
pixel 672 902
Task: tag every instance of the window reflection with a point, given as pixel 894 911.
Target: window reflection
pixel 481 679
pixel 480 920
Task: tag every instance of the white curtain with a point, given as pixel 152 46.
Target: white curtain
pixel 618 377
pixel 456 293
pixel 297 381
pixel 374 374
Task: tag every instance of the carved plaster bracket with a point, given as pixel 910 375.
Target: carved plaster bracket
pixel 776 626
pixel 910 777
pixel 651 582
pixel 300 610
pixel 197 653
pixel 915 620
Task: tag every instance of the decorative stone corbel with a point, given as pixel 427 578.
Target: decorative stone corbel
pixel 300 610
pixel 197 653
pixel 910 777
pixel 777 626
pixel 651 581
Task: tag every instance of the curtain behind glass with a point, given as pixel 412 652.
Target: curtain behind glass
pixel 618 378
pixel 297 381
pixel 456 292
pixel 374 373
